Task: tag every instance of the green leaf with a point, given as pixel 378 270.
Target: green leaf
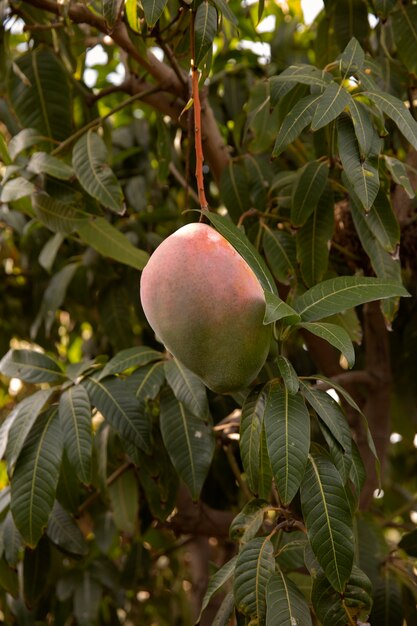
pixel 132 15
pixel 30 366
pixel 254 566
pixel 188 388
pixel 217 581
pixel 24 139
pixel 350 19
pixel 251 422
pixel 242 244
pixel 344 292
pixel 16 188
pixel 226 609
pixel 43 102
pixel 383 223
pixel 130 357
pixel 288 374
pixel 404 29
pixel 399 173
pixel 331 104
pixel 328 520
pixel 25 416
pixel 280 252
pixel 295 122
pixel 309 186
pixel 365 131
pixel 357 472
pixel 234 188
pixel 64 532
pixel 111 11
pixel 226 11
pixel 153 10
pixel 124 501
pixel 361 173
pixel 313 240
pixel 339 609
pixel 8 579
pixel 387 609
pixel 12 540
pixel 89 160
pixel 352 57
pixel 36 476
pixel 205 29
pixel 294 75
pixel 49 251
pixel 75 420
pixel 111 242
pixel 277 309
pixel 335 335
pixel 247 523
pixel 57 216
pixel 287 427
pixel 147 381
pixel 87 599
pixel 121 409
pixel 189 441
pixel 285 603
pixel 397 111
pixel 384 7
pixel 44 163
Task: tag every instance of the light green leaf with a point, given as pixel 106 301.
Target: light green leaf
pixel 247 523
pixel 111 242
pixel 397 111
pixel 49 251
pixel 287 427
pixel 328 520
pixel 404 28
pixel 44 163
pixel 286 605
pixel 31 366
pixel 288 373
pixel 295 122
pixel 132 15
pixel 277 309
pixel 57 216
pixel 121 409
pixel 217 581
pixel 307 190
pixel 75 420
pixel 294 75
pixel 242 244
pixel 361 173
pixel 344 292
pixel 251 422
pixel 335 335
pixel 24 139
pixel 189 441
pixel 279 248
pixel 352 57
pixel 16 188
pixel 331 104
pixel 205 29
pixel 188 388
pixel 399 173
pixel 130 357
pixel 36 477
pixel 90 163
pixel 124 501
pixel 153 10
pixel 337 609
pixel 254 566
pixel 64 532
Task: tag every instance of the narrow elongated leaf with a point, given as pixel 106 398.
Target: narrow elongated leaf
pixel 24 139
pixel 399 173
pixel 310 185
pixel 25 416
pixel 55 215
pixel 328 520
pixel 365 131
pixel 15 189
pixel 217 581
pixel 44 101
pixel 12 540
pixel 242 244
pixel 357 472
pixel 279 248
pixel 121 409
pixel 362 174
pixel 277 309
pixel 205 28
pixel 49 251
pixel 189 441
pixel 75 420
pixel 331 104
pixel 124 501
pixel 44 163
pixel 295 122
pixel 352 57
pixel 398 112
pixel 383 224
pixel 335 335
pixel 251 423
pixel 111 10
pixel 337 609
pixel 31 366
pixel 187 387
pixel 387 608
pixel 254 566
pixel 288 373
pixel 64 532
pixel 234 188
pixel 130 357
pixel 147 381
pixel 295 74
pixel 36 477
pixel 285 603
pixel 248 522
pixel 350 19
pixel 404 22
pixel 227 607
pixel 89 160
pixel 110 242
pixel 153 10
pixel 287 427
pixel 344 292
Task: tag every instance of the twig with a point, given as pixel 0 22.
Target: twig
pixel 236 472
pixel 111 479
pixel 182 181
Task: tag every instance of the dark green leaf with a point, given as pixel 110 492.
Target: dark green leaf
pixel 75 420
pixel 387 609
pixel 124 501
pixel 35 563
pixel 147 381
pixel 8 579
pixel 398 112
pixel 295 122
pixel 226 11
pixel 279 247
pixel 399 173
pixel 288 374
pixel 153 10
pixel 285 603
pixel 247 523
pixel 357 472
pixel 254 566
pixel 408 543
pixel 111 11
pixel 295 74
pixel 335 335
pixel 404 22
pixel 352 57
pixel 12 540
pixel 226 609
pixel 44 163
pixel 309 186
pixel 31 366
pixel 130 357
pixel 64 532
pixel 57 216
pixel 365 131
pixel 234 188
pixel 87 598
pixel 350 19
pixel 205 29
pixel 251 423
pixel 187 387
pixel 331 104
pixel 384 7
pixel 277 309
pixel 217 581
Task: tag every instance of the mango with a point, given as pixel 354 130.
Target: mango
pixel 206 306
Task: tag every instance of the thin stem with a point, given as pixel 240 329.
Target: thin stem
pixel 111 479
pixel 236 472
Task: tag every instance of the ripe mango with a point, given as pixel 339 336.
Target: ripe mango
pixel 206 305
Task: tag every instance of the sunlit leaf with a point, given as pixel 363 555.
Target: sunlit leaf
pixel 15 189
pixel 295 74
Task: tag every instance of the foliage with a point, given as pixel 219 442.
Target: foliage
pixel 122 475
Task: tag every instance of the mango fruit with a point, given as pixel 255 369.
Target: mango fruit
pixel 206 306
